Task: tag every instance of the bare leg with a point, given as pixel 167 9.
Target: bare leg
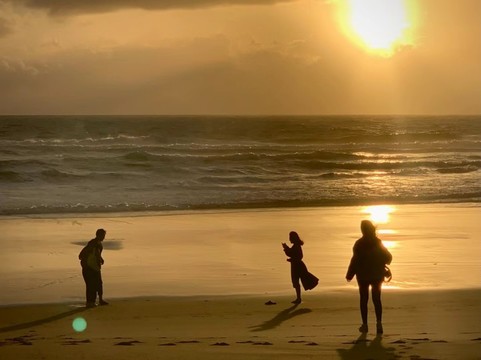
pixel 363 300
pixel 298 294
pixel 376 299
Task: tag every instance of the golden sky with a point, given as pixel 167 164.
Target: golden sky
pixel 240 57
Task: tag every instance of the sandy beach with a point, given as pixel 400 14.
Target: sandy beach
pixel 183 141
pixel 195 285
pixel 418 325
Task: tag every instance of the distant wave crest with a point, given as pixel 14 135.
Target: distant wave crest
pixel 147 163
pixel 273 203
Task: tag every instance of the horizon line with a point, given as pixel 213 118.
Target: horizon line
pixel 247 115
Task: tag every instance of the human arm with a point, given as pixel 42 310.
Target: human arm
pixel 100 247
pixel 351 270
pixel 287 249
pixel 294 253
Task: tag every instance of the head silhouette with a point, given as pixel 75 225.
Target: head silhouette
pixel 295 239
pixel 100 234
pixel 368 229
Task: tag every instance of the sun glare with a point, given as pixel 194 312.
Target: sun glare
pixel 379 214
pixel 389 244
pixel 379 26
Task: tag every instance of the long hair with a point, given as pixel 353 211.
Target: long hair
pixel 368 229
pixel 295 239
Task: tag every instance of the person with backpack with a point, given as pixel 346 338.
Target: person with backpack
pixel 368 264
pixel 91 261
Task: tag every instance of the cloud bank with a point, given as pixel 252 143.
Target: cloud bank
pixel 130 81
pixel 242 60
pixel 71 7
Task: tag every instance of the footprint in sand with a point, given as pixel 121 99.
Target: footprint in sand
pixel 128 343
pixel 262 343
pixel 416 341
pixel 188 342
pixel 75 342
pixel 20 340
pixel 398 342
pixel 417 357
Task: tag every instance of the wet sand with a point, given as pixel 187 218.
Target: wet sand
pixel 195 284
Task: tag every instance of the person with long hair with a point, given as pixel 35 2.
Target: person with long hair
pixel 299 272
pixel 368 263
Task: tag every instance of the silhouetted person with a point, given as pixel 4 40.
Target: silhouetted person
pixel 368 263
pixel 92 261
pixel 299 271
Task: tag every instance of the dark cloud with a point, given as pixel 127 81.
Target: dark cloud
pixel 70 7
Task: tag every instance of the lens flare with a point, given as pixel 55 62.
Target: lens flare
pixel 79 324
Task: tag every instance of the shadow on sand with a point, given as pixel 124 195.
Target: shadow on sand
pixel 277 320
pixel 108 245
pixel 367 349
pixel 33 323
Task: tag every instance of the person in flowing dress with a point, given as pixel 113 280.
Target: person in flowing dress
pixel 299 272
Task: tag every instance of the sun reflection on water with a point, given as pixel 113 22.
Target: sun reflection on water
pixel 389 244
pixel 387 232
pixel 379 214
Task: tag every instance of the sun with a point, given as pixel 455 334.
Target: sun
pixel 379 26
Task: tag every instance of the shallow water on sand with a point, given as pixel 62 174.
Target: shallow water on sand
pixel 235 252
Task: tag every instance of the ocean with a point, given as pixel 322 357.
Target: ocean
pixel 106 164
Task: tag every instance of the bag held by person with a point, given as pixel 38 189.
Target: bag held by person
pixel 387 274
